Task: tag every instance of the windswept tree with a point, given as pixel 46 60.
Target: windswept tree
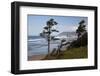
pixel 81 28
pixel 48 30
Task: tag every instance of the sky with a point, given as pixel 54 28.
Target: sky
pixel 65 23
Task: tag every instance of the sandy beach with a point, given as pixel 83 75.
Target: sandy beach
pixel 36 57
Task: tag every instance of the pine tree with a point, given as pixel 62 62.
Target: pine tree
pixel 47 31
pixel 81 28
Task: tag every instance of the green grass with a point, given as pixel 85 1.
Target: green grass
pixel 73 53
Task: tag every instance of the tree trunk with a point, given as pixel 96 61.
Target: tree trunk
pixel 49 42
pixel 48 47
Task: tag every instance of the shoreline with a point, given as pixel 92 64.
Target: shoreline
pixel 36 57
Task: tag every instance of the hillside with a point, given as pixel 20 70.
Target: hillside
pixel 76 49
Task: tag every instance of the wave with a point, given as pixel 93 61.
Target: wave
pixel 39 40
pixel 34 40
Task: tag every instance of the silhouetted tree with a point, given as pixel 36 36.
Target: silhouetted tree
pixel 81 28
pixel 48 30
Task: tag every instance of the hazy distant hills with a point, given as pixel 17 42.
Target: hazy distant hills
pixel 67 34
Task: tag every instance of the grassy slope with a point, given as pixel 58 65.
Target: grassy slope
pixel 73 53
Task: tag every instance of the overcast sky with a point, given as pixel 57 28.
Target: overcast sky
pixel 65 23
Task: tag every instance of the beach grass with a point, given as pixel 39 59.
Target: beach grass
pixel 73 53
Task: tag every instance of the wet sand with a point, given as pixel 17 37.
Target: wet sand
pixel 36 57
